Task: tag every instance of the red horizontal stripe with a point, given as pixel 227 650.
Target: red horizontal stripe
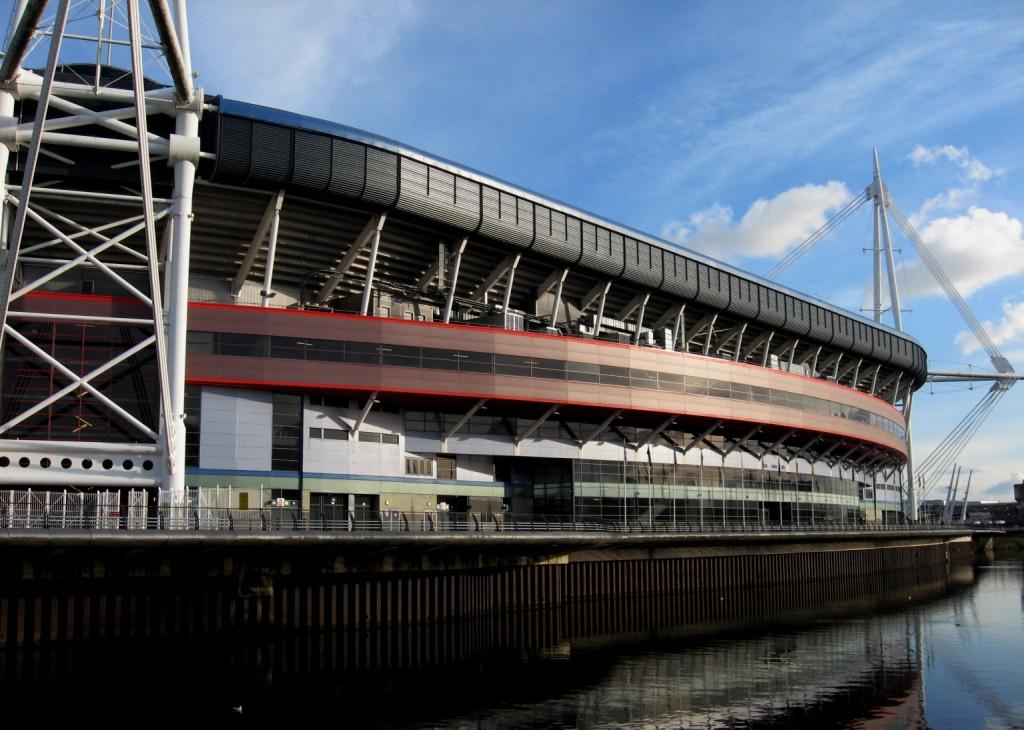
pixel 513 333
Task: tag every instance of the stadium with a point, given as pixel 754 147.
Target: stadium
pixel 370 328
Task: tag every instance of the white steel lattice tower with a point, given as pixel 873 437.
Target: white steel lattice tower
pixel 85 202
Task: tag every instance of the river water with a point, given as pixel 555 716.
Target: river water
pixel 944 654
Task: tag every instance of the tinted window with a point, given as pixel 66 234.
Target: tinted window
pixel 440 359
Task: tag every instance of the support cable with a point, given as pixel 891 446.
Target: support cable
pixel 818 236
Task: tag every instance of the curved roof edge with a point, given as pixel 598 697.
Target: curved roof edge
pixel 313 124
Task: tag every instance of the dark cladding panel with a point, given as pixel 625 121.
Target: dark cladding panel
pixel 642 266
pixel 234 150
pixel 617 242
pixel 821 327
pixel 743 296
pixel 348 168
pixel 502 220
pixel 862 341
pixel 714 289
pixel 842 328
pixel 467 203
pixel 883 345
pixel 771 313
pixel 271 154
pixel 798 320
pixel 552 237
pixel 597 252
pixel 381 177
pixel 680 276
pixel 436 194
pixel 312 161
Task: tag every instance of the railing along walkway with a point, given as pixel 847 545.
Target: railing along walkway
pixel 393 521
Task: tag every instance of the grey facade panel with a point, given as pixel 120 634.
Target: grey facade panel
pixel 439 195
pixel 348 168
pixel 680 276
pixel 643 264
pixel 312 161
pixel 553 236
pixel 883 346
pixel 743 296
pixel 234 149
pixel 842 332
pixel 600 250
pixel 862 342
pixel 821 329
pixel 501 220
pixel 768 306
pixel 272 161
pixel 381 177
pixel 798 316
pixel 714 288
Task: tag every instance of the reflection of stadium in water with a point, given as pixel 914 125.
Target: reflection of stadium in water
pixel 672 660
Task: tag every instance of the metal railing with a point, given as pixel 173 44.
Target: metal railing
pixel 211 519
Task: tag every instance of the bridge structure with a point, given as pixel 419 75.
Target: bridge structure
pixel 207 304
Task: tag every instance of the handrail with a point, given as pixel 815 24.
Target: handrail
pixel 29 516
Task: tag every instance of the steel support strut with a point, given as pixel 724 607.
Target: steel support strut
pixel 176 314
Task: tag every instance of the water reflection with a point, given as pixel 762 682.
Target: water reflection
pixel 935 650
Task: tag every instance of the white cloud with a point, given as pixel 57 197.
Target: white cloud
pixel 973 172
pixel 1009 328
pixel 975 249
pixel 293 55
pixel 768 229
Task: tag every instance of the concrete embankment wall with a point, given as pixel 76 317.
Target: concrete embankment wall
pixel 58 589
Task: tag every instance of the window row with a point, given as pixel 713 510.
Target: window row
pixel 369 353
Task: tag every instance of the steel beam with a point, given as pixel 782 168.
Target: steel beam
pixel 453 285
pixel 24 31
pixel 367 407
pixel 631 306
pixel 537 424
pixel 507 298
pixel 270 215
pixel 461 422
pixel 481 290
pixel 27 25
pixel 700 439
pixel 640 319
pixel 600 308
pixel 592 296
pixel 742 440
pixel 711 331
pixel 372 229
pixel 181 72
pixel 557 303
pixel 371 270
pixel 654 432
pixel 600 428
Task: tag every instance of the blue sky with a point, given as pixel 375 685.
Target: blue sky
pixel 733 128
